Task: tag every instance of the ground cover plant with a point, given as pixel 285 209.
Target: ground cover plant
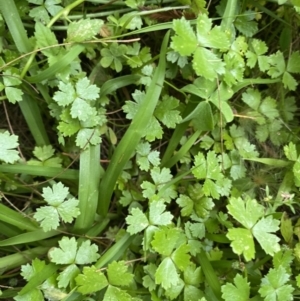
pixel 149 150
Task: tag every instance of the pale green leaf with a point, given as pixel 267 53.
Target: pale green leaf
pixel 87 253
pixel 181 257
pixel 67 275
pixel 262 232
pixel 136 221
pixel 240 291
pixel 246 212
pixel 185 41
pixel 273 286
pixel 84 29
pixel 66 253
pixel 186 204
pixel 91 280
pixel 66 94
pixel 207 64
pixel 8 143
pixel 116 294
pixel 157 216
pixel 211 38
pixel 85 90
pixel 118 274
pixel 44 38
pixel 166 274
pixel 165 240
pixel 242 242
pixel 13 94
pixel 293 64
pixel 290 151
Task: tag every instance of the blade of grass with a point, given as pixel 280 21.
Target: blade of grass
pixel 183 150
pixel 12 217
pixel 210 275
pixel 16 28
pixel 116 83
pixel 89 177
pixel 39 277
pixel 31 113
pixel 57 67
pixel 43 171
pixel 115 252
pixel 177 135
pixel 28 237
pixel 133 134
pixel 277 163
pixel 17 259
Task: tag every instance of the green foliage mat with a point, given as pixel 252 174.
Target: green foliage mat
pixel 149 150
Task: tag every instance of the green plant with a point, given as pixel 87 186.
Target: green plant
pixel 163 155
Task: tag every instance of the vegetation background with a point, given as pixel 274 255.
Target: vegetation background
pixel 149 150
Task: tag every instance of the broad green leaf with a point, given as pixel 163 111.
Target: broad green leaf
pixel 200 166
pixel 157 216
pixel 252 98
pixel 240 291
pixel 184 41
pixel 165 111
pixel 88 136
pixel 91 280
pixel 115 293
pixel 192 275
pixel 137 221
pixel 44 152
pixel 8 143
pixel 67 275
pixel 186 204
pixel 165 240
pixel 289 81
pixel 45 37
pixel 87 253
pixel 293 64
pixel 85 90
pixel 242 242
pixel 277 64
pixel 84 29
pixel 118 275
pixel 13 94
pixel 166 274
pixel 262 232
pixel 246 23
pixel 246 212
pixel 203 206
pixel 59 207
pixel 66 253
pixel 82 110
pixel 268 107
pixel 66 94
pixel 211 38
pixel 273 285
pixel 207 64
pixel 283 258
pixel 290 151
pixel 181 257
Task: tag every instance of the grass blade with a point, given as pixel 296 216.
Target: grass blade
pixel 116 251
pixel 89 177
pixel 43 171
pixel 133 134
pixel 28 237
pixel 12 217
pixel 17 259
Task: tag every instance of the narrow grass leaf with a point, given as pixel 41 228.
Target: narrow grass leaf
pixel 133 134
pixel 32 236
pixel 89 177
